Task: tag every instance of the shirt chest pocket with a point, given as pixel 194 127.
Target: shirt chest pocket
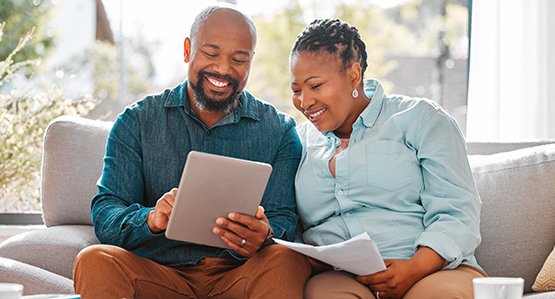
pixel 388 165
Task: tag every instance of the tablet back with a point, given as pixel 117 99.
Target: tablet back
pixel 212 186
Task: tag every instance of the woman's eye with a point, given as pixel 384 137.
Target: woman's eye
pixel 209 55
pixel 316 86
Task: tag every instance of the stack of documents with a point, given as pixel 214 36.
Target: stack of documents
pixel 358 255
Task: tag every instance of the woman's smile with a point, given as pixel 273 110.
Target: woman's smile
pixel 315 116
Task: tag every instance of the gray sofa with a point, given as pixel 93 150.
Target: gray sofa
pixel 516 182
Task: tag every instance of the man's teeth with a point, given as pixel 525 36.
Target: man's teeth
pixel 218 83
pixel 314 115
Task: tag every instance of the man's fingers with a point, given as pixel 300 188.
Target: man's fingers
pixel 170 196
pixel 260 213
pixel 241 227
pixel 158 218
pixel 253 223
pixel 245 250
pixel 238 229
pixel 235 242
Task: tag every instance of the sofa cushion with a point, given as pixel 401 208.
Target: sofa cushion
pixel 53 249
pixel 545 281
pixel 544 295
pixel 517 189
pixel 74 148
pixel 34 280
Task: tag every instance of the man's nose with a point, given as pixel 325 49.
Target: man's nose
pixel 222 66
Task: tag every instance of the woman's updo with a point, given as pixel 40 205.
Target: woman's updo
pixel 336 37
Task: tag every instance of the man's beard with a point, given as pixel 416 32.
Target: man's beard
pixel 204 102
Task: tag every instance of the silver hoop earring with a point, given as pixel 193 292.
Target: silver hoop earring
pixel 355 93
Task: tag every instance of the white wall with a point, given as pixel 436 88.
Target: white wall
pixel 74 27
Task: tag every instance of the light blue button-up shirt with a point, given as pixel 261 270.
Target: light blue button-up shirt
pixel 404 179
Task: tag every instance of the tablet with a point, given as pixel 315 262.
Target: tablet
pixel 212 186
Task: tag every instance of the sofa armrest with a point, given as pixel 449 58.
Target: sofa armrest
pixel 518 203
pixel 34 280
pixel 74 148
pixel 53 249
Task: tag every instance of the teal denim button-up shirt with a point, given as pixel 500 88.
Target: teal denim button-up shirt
pixel 404 178
pixel 147 149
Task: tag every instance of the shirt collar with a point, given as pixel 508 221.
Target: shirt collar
pixel 373 89
pixel 178 97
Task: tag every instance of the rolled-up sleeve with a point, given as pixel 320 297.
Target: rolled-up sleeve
pixel 449 195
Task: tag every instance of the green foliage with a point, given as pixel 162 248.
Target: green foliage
pixel 380 34
pixel 412 29
pixel 270 78
pixel 104 59
pixel 31 14
pixel 138 67
pixel 24 116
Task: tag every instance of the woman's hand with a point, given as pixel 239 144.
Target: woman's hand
pixel 401 275
pixel 395 281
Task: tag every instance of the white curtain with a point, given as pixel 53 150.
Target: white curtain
pixel 511 93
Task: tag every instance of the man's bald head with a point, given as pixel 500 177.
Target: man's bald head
pixel 225 10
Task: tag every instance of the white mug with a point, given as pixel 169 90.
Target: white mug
pixel 10 291
pixel 498 287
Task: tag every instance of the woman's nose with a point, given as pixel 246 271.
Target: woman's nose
pixel 306 101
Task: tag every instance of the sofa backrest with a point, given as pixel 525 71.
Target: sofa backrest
pixel 74 149
pixel 494 147
pixel 517 189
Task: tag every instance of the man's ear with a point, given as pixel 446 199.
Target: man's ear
pixel 355 74
pixel 186 49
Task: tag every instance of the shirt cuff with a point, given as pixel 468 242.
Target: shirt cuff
pixel 141 226
pixel 443 245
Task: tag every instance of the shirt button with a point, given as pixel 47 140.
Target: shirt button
pixel 340 192
pixel 348 214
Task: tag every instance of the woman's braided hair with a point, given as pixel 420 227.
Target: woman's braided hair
pixel 333 36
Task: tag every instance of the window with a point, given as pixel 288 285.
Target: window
pixel 417 48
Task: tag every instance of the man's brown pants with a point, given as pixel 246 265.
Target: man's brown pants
pixel 104 271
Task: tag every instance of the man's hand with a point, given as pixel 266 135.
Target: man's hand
pixel 253 230
pixel 158 218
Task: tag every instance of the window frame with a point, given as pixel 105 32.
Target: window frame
pixel 31 218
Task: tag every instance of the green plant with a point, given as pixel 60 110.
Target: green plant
pixel 24 116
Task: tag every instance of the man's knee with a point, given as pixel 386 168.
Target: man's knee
pixel 94 252
pixel 95 257
pixel 284 255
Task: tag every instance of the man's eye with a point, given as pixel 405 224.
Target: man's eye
pixel 240 60
pixel 210 55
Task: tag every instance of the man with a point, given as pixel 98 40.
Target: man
pixel 145 155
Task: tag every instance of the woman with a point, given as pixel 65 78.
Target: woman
pixel 392 166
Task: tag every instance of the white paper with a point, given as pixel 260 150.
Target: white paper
pixel 358 255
